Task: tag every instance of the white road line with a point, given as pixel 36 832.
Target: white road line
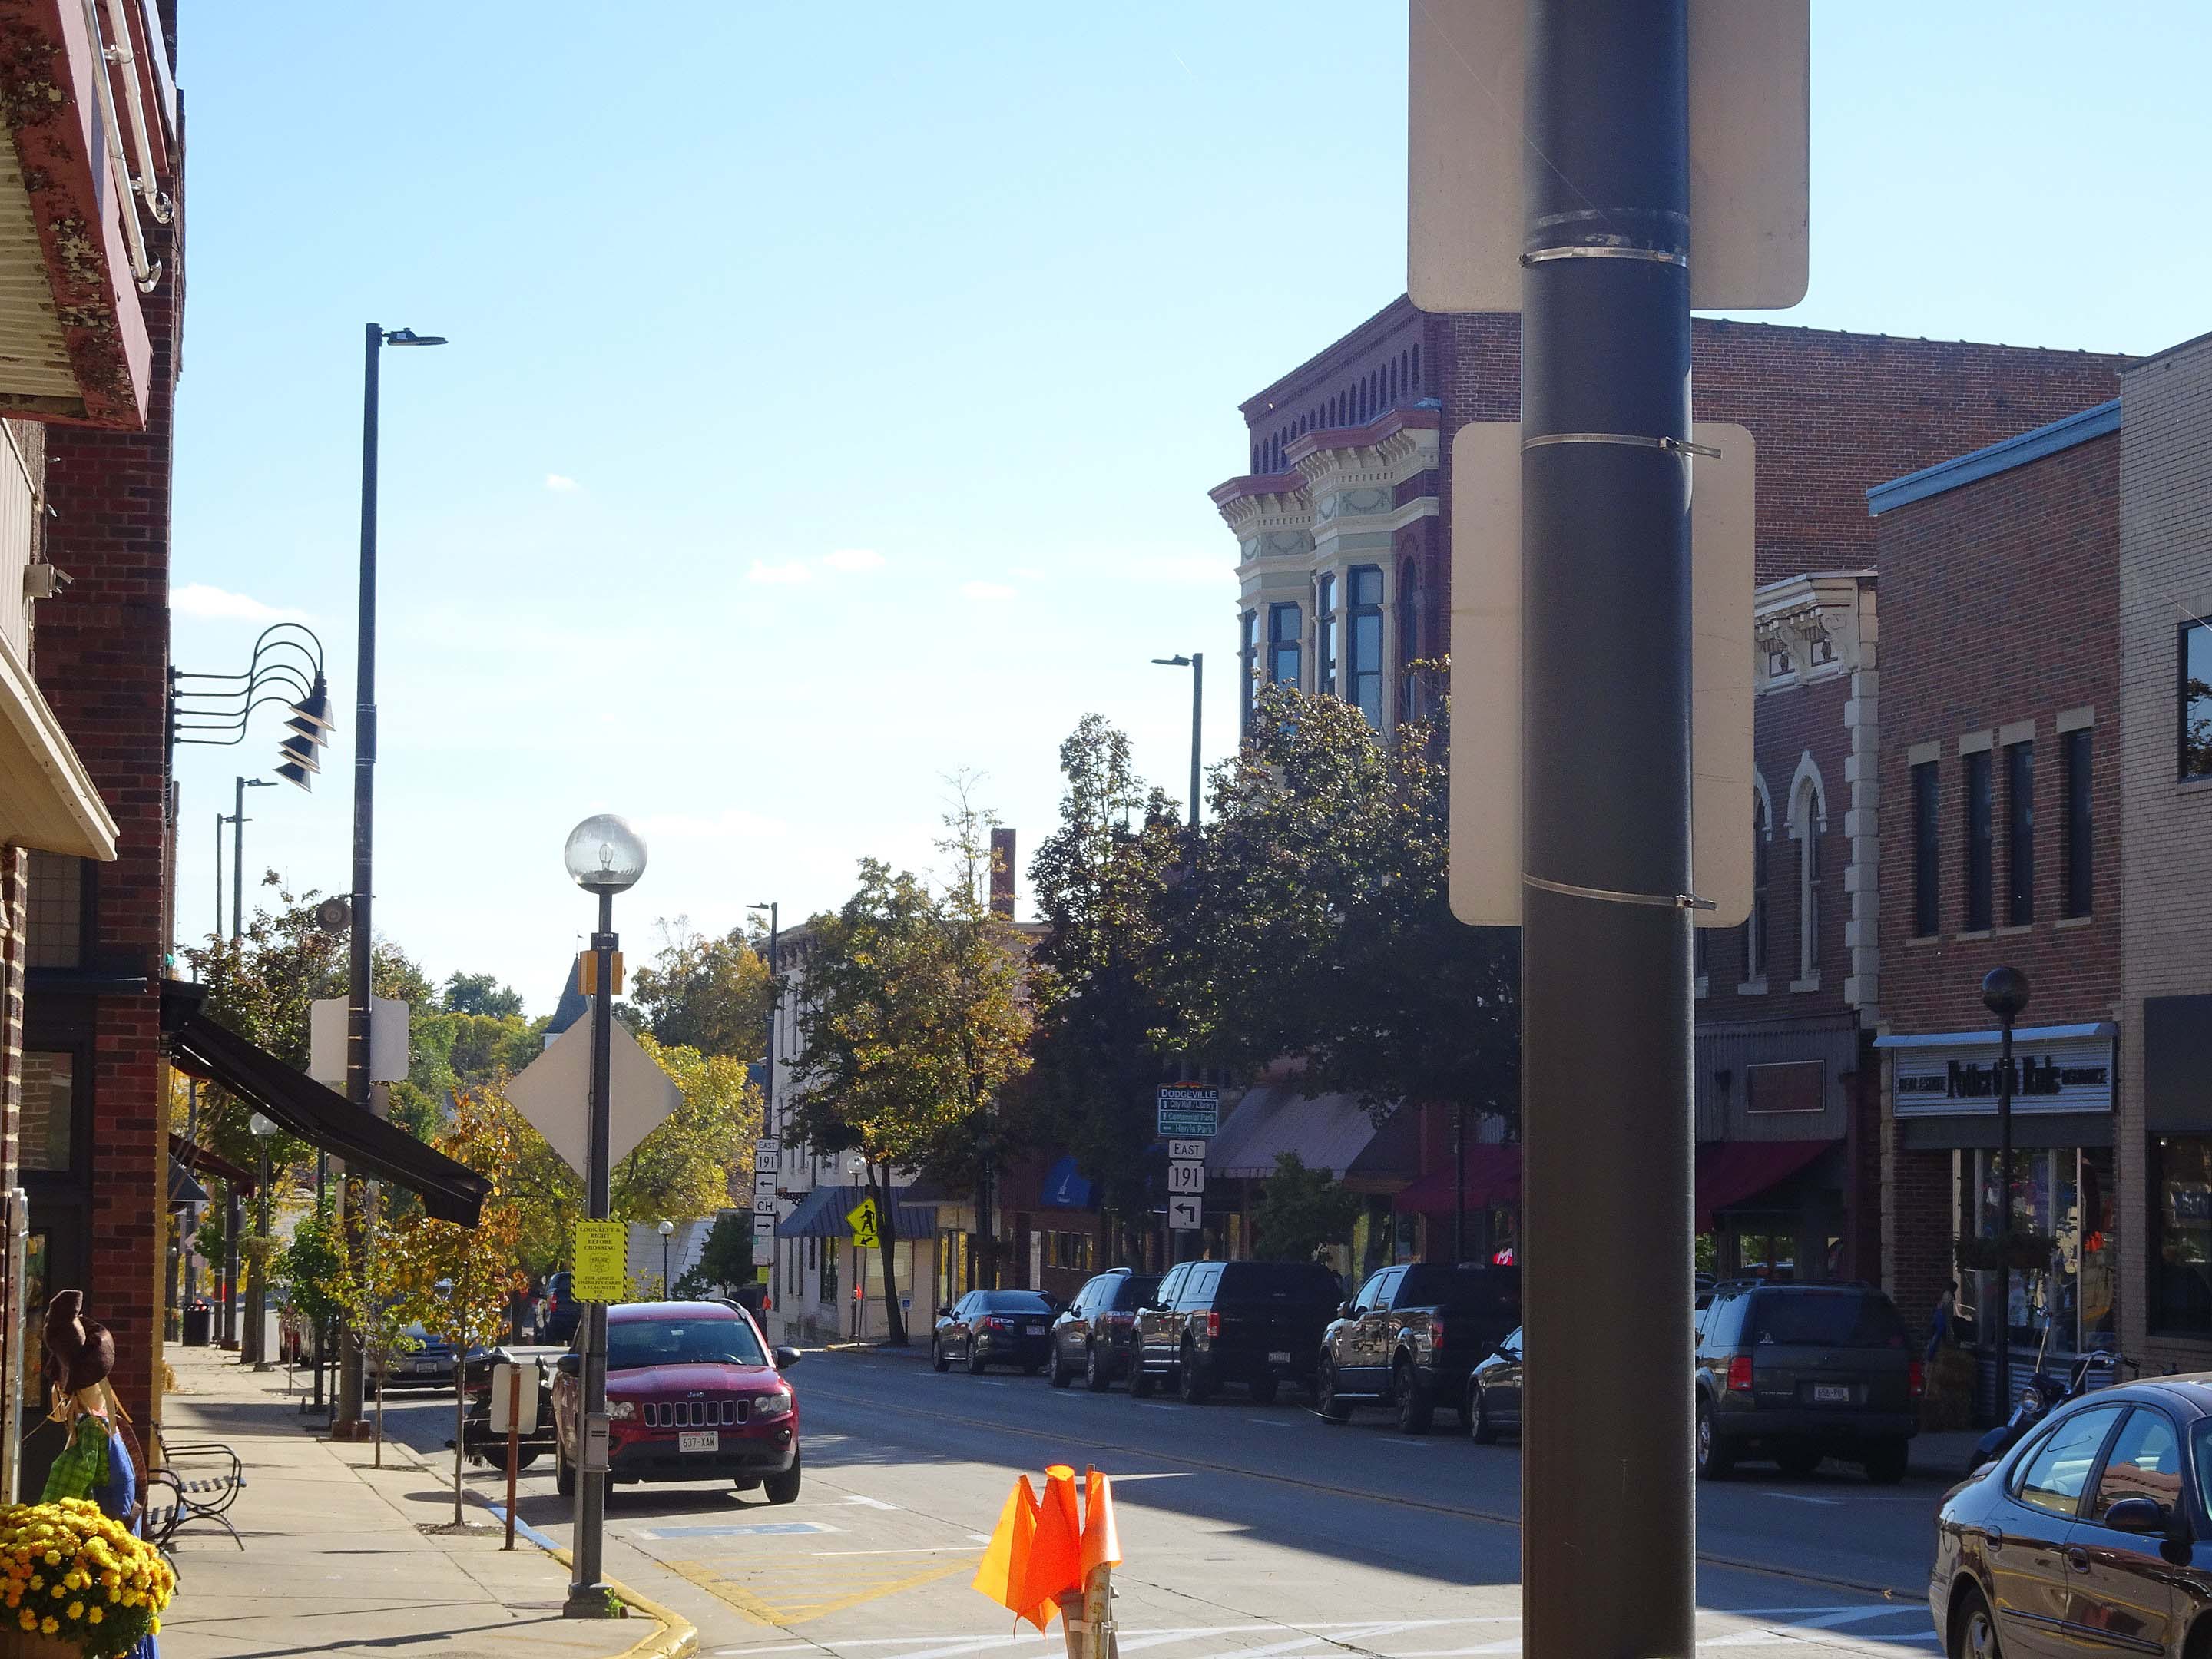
pixel 1269 1423
pixel 872 1503
pixel 1802 1498
pixel 1164 1475
pixel 932 1549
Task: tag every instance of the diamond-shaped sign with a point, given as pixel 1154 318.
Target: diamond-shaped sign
pixel 554 1093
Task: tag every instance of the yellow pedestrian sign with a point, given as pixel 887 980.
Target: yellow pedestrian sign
pixel 867 1221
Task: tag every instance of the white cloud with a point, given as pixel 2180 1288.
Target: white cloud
pixel 788 574
pixel 560 483
pixel 990 591
pixel 213 604
pixel 1026 574
pixel 853 559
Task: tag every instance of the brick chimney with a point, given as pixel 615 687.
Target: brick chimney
pixel 1002 873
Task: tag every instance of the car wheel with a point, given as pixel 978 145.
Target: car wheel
pixel 1480 1428
pixel 1886 1463
pixel 1326 1401
pixel 1263 1391
pixel 1800 1462
pixel 564 1477
pixel 1715 1462
pixel 977 1366
pixel 1191 1381
pixel 524 1457
pixel 937 1360
pixel 1141 1382
pixel 783 1488
pixel 1097 1371
pixel 1416 1408
pixel 1060 1376
pixel 1973 1631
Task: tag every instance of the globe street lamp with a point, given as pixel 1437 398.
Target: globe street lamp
pixel 604 856
pixel 665 1227
pixel 2004 993
pixel 1196 663
pixel 262 1128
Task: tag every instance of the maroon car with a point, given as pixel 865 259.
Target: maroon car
pixel 693 1394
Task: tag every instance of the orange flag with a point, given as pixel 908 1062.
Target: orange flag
pixel 1055 1563
pixel 1004 1574
pixel 1101 1545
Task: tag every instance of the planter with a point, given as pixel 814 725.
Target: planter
pixel 18 1643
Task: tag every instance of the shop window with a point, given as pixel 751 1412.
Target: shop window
pixel 2194 701
pixel 829 1274
pixel 1809 811
pixel 1283 625
pixel 2181 1270
pixel 49 1121
pixel 2074 853
pixel 1977 806
pixel 1248 660
pixel 2063 1196
pixel 1365 679
pixel 55 912
pixel 1926 859
pixel 2019 833
pixel 1325 635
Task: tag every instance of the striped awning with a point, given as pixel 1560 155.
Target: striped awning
pixel 822 1213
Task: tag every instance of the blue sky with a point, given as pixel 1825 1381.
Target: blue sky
pixel 833 394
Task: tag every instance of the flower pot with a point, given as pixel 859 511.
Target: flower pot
pixel 16 1642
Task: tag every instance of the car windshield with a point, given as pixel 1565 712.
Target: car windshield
pixel 633 1343
pixel 1826 1320
pixel 1135 1290
pixel 1017 1302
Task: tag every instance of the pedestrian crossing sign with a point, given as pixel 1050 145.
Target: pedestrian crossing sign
pixel 867 1221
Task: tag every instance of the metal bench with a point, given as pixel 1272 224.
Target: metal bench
pixel 201 1479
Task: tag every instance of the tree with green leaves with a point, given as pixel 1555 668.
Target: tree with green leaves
pixel 1101 882
pixel 915 1026
pixel 710 994
pixel 726 1257
pixel 380 1298
pixel 1301 1211
pixel 481 993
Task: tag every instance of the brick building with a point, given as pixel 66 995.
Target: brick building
pixel 1999 781
pixel 1343 523
pixel 2164 1123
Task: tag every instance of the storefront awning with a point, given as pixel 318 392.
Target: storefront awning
pixel 1731 1171
pixel 2025 1034
pixel 47 799
pixel 1327 1132
pixel 1493 1179
pixel 822 1213
pixel 184 1191
pixel 198 1159
pixel 317 1115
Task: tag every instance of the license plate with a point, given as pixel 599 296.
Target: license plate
pixel 1831 1394
pixel 1033 1330
pixel 710 1440
pixel 1279 1357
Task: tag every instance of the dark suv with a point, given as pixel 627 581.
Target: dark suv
pixel 1799 1372
pixel 563 1310
pixel 1092 1337
pixel 1411 1337
pixel 1254 1323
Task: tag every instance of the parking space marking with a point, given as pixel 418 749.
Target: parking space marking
pixel 872 1503
pixel 1801 1498
pixel 806 1592
pixel 737 1529
pixel 1269 1423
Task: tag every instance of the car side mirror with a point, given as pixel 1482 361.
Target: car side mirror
pixel 785 1358
pixel 1344 1310
pixel 569 1364
pixel 2142 1515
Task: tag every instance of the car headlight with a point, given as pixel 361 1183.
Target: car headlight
pixel 768 1407
pixel 620 1411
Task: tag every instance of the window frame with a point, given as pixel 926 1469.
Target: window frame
pixel 2094 1497
pixel 2156 1321
pixel 2077 841
pixel 2019 833
pixel 1754 926
pixel 1325 633
pixel 2182 770
pixel 1811 809
pixel 1977 796
pixel 1927 849
pixel 1360 674
pixel 1247 659
pixel 1282 639
pixel 2016 1479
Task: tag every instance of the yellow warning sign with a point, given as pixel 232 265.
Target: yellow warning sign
pixel 599 1260
pixel 866 1220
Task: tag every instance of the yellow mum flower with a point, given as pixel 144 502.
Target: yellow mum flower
pixel 153 1627
pixel 53 1557
pixel 49 1625
pixel 77 1609
pixel 28 1620
pixel 96 1615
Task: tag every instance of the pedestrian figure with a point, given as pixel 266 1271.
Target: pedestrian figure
pixel 102 1461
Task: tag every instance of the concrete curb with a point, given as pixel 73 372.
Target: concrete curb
pixel 678 1636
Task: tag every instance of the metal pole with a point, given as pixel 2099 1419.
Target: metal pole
pixel 1197 720
pixel 238 866
pixel 218 876
pixel 1459 1173
pixel 191 1234
pixel 2004 1219
pixel 231 1219
pixel 259 1345
pixel 348 1413
pixel 586 1592
pixel 1606 936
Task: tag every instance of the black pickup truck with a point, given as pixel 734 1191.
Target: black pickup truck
pixel 1210 1322
pixel 1411 1336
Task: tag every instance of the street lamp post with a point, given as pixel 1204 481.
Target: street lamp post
pixel 238 821
pixel 664 1228
pixel 2004 993
pixel 604 856
pixel 1196 663
pixel 262 1128
pixel 767 1068
pixel 376 337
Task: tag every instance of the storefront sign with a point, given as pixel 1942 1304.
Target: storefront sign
pixel 2066 1074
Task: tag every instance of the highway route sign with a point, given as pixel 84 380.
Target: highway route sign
pixel 1186 1177
pixel 1183 1151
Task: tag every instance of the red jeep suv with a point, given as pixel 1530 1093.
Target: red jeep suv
pixel 693 1394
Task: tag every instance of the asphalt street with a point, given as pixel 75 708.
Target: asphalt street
pixel 1251 1532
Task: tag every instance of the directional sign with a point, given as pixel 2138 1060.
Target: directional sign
pixel 1183 1151
pixel 764 1181
pixel 1186 1177
pixel 600 1249
pixel 865 1219
pixel 1189 1111
pixel 763 1227
pixel 763 1203
pixel 1186 1215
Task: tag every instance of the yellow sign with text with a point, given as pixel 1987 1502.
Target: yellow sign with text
pixel 867 1222
pixel 599 1260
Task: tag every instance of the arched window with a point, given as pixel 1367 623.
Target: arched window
pixel 1808 816
pixel 1416 371
pixel 1409 638
pixel 1755 931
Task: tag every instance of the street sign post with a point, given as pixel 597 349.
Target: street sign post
pixel 865 1219
pixel 1186 1215
pixel 1185 1110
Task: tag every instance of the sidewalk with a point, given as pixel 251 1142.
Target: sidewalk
pixel 336 1560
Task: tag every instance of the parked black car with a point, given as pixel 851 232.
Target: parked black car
pixel 2087 1537
pixel 556 1326
pixel 1254 1323
pixel 1492 1401
pixel 1411 1337
pixel 1092 1337
pixel 1799 1372
pixel 993 1328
